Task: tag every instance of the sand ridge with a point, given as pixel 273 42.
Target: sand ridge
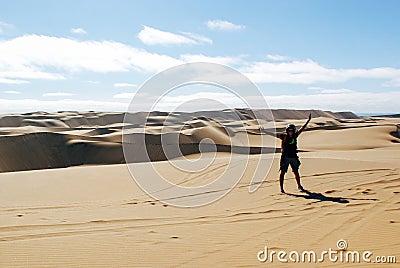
pixel 42 140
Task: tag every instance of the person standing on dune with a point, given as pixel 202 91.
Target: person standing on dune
pixel 289 153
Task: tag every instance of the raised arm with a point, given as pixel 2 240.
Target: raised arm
pixel 274 134
pixel 305 125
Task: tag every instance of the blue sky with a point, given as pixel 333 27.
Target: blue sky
pixel 93 55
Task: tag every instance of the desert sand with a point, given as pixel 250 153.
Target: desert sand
pixel 67 199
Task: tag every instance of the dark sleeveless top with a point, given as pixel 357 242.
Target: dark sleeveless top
pixel 289 145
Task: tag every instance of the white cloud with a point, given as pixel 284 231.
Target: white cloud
pixel 309 72
pixel 223 25
pixel 331 90
pixel 12 81
pixel 197 37
pixel 152 36
pixel 278 57
pixel 125 95
pixel 37 56
pixel 78 31
pixel 29 105
pixel 124 85
pixel 393 83
pixel 57 94
pixel 31 56
pixel 359 102
pixel 5 26
pixel 199 101
pixel 26 73
pixel 12 92
pixel 217 59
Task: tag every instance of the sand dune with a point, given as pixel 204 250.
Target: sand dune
pixel 97 216
pixel 43 140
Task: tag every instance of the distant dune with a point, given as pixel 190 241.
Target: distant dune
pixel 388 115
pixel 42 140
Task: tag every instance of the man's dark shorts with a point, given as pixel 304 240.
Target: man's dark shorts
pixel 294 162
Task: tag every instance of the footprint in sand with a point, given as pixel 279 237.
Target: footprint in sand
pixel 367 192
pixel 357 188
pixel 131 203
pixel 330 191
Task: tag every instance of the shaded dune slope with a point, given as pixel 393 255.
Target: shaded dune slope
pixel 42 140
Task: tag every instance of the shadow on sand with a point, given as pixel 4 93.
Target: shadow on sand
pixel 320 197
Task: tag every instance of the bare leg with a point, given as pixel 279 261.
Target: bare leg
pixel 297 176
pixel 281 179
